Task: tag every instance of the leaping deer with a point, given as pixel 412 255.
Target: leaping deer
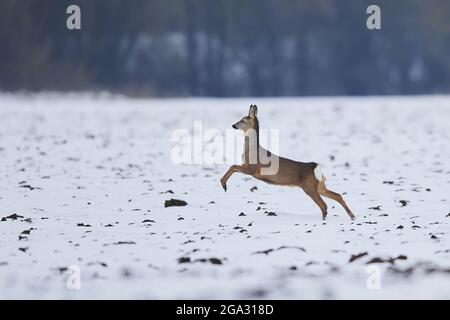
pixel 306 175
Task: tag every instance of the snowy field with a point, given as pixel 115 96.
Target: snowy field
pixel 84 180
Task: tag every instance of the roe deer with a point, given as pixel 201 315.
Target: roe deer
pixel 306 175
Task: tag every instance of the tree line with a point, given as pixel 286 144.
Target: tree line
pixel 226 47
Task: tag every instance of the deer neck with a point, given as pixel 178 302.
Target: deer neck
pixel 251 146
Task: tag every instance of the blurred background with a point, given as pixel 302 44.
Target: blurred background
pixel 226 48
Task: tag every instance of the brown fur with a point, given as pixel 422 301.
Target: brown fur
pixel 290 173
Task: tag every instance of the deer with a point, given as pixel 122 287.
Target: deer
pixel 306 175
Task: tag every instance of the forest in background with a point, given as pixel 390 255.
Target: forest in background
pixel 225 48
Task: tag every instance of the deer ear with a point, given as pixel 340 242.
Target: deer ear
pixel 253 111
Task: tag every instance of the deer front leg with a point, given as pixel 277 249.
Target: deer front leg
pixel 234 168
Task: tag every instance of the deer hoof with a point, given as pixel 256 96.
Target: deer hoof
pixel 224 186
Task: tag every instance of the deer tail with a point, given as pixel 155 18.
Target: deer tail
pixel 319 174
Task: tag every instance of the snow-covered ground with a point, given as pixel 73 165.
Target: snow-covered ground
pixel 88 177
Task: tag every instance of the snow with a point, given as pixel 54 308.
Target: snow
pixel 104 162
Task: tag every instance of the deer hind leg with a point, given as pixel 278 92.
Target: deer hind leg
pixel 315 196
pixel 323 191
